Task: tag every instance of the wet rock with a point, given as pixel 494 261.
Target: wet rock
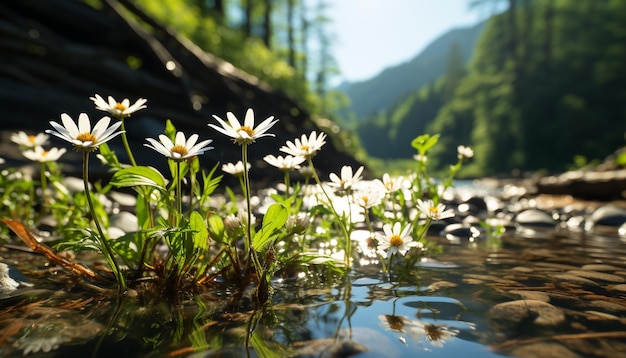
pixel 476 204
pixel 601 316
pixel 576 280
pixel 619 288
pixel 535 218
pixel 600 267
pixel 125 221
pixel 459 233
pixel 608 306
pixel 544 350
pixel 532 295
pixel 597 276
pixel 608 215
pixel 508 316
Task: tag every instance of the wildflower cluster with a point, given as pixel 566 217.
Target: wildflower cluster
pixel 187 237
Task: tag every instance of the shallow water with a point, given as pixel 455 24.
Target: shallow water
pixel 560 293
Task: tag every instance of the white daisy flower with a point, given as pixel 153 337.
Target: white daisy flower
pixel 391 184
pixel 82 136
pixel 234 169
pixel 40 155
pixel 305 147
pixel 246 133
pixel 371 195
pixel 464 152
pixel 396 239
pixel 180 149
pixel 433 212
pixel 288 162
pixel 29 141
pixel 347 179
pixel 118 109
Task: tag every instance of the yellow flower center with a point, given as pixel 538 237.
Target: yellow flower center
pixel 389 185
pixel 44 153
pixel 304 147
pixel 249 131
pixel 180 149
pixel 433 210
pixel 365 199
pixel 120 107
pixel 342 182
pixel 395 240
pixel 87 137
pixel 31 138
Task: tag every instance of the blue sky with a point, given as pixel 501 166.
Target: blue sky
pixel 371 35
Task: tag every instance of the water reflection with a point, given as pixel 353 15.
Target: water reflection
pixel 443 306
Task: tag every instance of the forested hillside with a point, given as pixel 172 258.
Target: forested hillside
pixel 547 83
pixel 369 97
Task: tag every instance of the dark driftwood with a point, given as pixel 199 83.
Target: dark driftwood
pixel 597 185
pixel 54 54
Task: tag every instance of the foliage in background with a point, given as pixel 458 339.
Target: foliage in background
pixel 272 43
pixel 546 85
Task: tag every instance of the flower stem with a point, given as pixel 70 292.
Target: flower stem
pixel 348 243
pixel 179 192
pixel 44 185
pixel 108 251
pixel 246 184
pixel 126 145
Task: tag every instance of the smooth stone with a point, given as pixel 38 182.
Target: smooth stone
pixel 593 275
pixel 609 215
pixel 124 221
pixel 490 278
pixel 123 199
pixel 599 267
pixel 543 350
pixel 509 315
pixel 619 288
pixel 577 280
pixel 535 217
pixel 532 295
pixel 607 306
pixel 458 233
pixel 596 315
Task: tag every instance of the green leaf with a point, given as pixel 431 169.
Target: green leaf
pixel 274 220
pixel 109 156
pixel 424 142
pixel 216 227
pixel 200 232
pixel 138 176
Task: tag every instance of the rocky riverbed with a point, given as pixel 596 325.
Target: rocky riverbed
pixel 553 285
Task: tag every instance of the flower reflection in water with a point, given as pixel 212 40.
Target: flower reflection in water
pixel 416 330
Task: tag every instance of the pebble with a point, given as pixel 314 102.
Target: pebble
pixel 577 280
pixel 532 295
pixel 535 218
pixel 600 276
pixel 508 316
pixel 599 267
pixel 543 350
pixel 619 288
pixel 608 306
pixel 608 215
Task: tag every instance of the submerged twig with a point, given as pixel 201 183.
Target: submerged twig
pixel 22 232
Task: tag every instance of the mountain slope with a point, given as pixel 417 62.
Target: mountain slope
pixel 371 96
